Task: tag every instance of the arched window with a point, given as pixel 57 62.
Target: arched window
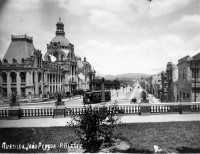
pixel 39 77
pixel 23 76
pixel 5 61
pixel 13 76
pixel 4 76
pixel 22 60
pixel 14 60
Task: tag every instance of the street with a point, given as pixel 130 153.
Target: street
pixel 121 96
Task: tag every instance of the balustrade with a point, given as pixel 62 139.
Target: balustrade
pixel 26 111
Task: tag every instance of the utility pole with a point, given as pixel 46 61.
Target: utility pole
pixel 103 90
pixel 195 80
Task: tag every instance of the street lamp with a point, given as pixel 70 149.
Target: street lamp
pixel 103 90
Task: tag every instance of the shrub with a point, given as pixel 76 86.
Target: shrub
pixel 95 127
pixel 14 98
pixel 59 99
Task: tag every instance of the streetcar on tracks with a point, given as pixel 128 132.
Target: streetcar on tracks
pixel 95 96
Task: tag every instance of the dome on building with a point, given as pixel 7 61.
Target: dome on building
pixel 62 39
pixel 59 22
pixel 60 34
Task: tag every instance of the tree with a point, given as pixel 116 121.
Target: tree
pixel 59 99
pixel 95 127
pixel 14 99
pixel 144 97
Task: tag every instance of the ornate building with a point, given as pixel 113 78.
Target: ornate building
pixel 23 69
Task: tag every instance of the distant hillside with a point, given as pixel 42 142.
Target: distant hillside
pixel 127 76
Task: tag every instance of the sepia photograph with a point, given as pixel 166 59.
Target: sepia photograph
pixel 100 76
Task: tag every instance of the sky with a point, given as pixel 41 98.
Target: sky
pixel 115 36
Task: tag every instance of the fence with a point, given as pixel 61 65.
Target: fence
pixel 134 109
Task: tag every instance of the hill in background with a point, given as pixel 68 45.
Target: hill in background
pixel 127 76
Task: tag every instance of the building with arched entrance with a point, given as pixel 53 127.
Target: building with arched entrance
pixel 25 71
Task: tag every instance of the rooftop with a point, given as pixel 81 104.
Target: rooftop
pixel 21 46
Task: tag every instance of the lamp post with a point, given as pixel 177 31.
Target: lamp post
pixel 103 90
pixel 195 81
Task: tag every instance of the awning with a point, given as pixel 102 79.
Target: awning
pixel 81 76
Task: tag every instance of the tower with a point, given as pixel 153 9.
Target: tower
pixel 60 28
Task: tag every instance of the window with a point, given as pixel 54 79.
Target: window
pixel 14 90
pixel 4 92
pixel 188 95
pixel 23 60
pixel 23 92
pixel 4 76
pixel 39 77
pixel 193 73
pixel 23 76
pixel 184 95
pixel 13 77
pixel 14 60
pixel 179 73
pixel 5 61
pixel 184 73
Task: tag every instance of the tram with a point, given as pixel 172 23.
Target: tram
pixel 95 96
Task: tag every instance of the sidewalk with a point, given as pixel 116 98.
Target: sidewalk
pixel 53 122
pixel 46 102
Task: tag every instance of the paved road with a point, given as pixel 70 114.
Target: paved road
pixel 119 95
pixel 137 94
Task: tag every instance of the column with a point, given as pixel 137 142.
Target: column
pixel 8 84
pixel 51 82
pixel 36 83
pixel 48 80
pixel 60 82
pixel 1 90
pixel 31 78
pixel 18 84
pixel 42 81
pixel 27 78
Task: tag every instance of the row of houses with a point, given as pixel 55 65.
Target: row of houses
pixel 178 82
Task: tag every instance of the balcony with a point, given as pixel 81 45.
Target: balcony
pixel 197 85
pixel 23 84
pixel 197 79
pixel 13 84
pixel 72 80
pixel 4 84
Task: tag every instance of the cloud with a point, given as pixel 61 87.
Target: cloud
pixel 109 15
pixel 24 4
pixel 101 19
pixel 140 57
pixel 163 7
pixel 187 22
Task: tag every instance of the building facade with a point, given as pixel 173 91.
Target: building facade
pixel 195 78
pixel 184 85
pixel 156 85
pixel 25 71
pixel 171 78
